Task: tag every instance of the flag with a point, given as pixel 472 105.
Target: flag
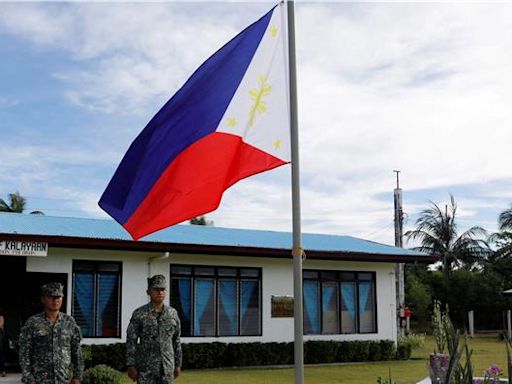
pixel 229 121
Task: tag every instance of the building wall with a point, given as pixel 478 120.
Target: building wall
pixel 277 279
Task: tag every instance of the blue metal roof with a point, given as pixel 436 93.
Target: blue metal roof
pixel 25 224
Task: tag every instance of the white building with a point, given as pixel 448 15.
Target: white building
pixel 221 280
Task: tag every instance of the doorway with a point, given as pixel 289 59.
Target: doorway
pixel 32 291
pixel 20 298
pixel 12 276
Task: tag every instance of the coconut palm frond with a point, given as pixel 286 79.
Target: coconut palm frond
pixel 4 207
pixel 436 231
pixel 18 202
pixel 505 219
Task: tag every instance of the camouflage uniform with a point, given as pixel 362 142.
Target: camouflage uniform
pixel 153 343
pixel 49 351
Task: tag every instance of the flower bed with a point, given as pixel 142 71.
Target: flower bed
pixel 476 380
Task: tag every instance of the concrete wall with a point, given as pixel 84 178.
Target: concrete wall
pixel 277 279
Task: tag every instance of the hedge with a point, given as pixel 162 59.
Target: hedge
pixel 101 374
pixel 216 355
pixel 113 355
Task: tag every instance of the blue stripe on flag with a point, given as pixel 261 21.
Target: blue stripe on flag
pixel 191 114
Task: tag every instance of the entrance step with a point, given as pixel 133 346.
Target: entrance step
pixel 11 378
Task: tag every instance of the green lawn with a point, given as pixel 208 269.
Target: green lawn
pixel 486 350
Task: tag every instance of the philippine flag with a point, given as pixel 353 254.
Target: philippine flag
pixel 229 121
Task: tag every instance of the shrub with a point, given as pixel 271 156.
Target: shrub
pixel 320 352
pixel 215 355
pixel 361 350
pixel 374 353
pixel 113 355
pixel 387 350
pixel 278 354
pixel 101 374
pixel 345 352
pixel 403 351
pixel 416 340
pixel 203 355
pixel 240 355
pixel 87 355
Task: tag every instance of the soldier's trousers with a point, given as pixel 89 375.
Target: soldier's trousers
pixel 153 378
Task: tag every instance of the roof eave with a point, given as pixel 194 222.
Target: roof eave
pixel 147 246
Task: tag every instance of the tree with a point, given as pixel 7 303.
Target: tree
pixel 200 220
pixel 503 241
pixel 505 220
pixel 418 297
pixel 503 238
pixel 16 203
pixel 436 230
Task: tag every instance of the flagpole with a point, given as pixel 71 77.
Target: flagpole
pixel 297 250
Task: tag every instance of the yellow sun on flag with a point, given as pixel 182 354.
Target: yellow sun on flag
pixel 257 95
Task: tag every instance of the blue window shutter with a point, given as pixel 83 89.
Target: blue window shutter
pixel 228 311
pixel 204 308
pixel 249 308
pixel 348 307
pixel 83 302
pixel 108 300
pixel 311 292
pixel 366 308
pixel 181 300
pixel 330 307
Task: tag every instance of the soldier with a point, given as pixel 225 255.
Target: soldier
pixel 153 347
pixel 50 343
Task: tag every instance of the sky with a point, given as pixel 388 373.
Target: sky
pixel 424 88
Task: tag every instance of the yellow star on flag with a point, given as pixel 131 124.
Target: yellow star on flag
pixel 277 144
pixel 273 31
pixel 231 122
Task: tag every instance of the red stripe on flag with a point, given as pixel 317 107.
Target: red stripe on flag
pixel 194 182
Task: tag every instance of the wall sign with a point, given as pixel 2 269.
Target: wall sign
pixel 282 306
pixel 23 248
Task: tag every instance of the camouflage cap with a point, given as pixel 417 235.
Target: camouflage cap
pixel 157 281
pixel 52 289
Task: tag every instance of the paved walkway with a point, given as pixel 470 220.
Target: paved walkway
pixel 11 378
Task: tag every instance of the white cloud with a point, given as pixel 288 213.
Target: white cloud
pixel 421 87
pixel 44 24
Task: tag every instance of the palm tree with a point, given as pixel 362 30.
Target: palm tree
pixel 505 220
pixel 16 203
pixel 503 238
pixel 200 220
pixel 436 229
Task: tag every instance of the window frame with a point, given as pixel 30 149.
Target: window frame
pixel 96 270
pixel 320 277
pixel 218 275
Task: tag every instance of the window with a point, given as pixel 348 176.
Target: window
pixel 339 302
pixel 96 298
pixel 217 301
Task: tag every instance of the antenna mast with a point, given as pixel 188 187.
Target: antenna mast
pixel 399 269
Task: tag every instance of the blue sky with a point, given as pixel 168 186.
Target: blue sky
pixel 420 87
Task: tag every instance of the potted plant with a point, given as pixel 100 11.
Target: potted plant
pixel 492 375
pixel 439 359
pixel 444 362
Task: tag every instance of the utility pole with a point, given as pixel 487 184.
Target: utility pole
pixel 399 269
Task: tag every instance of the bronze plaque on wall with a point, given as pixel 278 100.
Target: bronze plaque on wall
pixel 282 306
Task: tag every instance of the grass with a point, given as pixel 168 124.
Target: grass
pixel 486 351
